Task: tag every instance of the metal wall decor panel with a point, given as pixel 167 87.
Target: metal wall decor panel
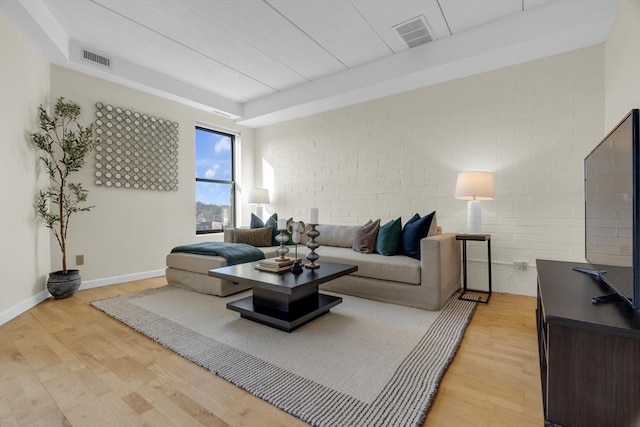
pixel 135 150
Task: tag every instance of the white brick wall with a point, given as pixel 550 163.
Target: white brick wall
pixel 531 124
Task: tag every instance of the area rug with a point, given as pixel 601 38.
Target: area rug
pixel 366 363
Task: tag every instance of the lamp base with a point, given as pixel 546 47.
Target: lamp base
pixel 474 217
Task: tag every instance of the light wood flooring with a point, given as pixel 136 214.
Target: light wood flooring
pixel 64 363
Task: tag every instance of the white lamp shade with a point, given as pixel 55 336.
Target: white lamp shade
pixel 259 196
pixel 474 186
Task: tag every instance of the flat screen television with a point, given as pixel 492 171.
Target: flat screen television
pixel 612 210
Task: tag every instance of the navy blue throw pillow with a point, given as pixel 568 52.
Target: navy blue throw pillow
pixel 400 250
pixel 414 231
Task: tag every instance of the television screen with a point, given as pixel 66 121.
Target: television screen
pixel 611 212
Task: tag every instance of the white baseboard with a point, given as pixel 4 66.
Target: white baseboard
pixel 23 306
pixel 31 302
pixel 96 283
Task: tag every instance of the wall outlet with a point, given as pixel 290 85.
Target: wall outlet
pixel 79 259
pixel 520 265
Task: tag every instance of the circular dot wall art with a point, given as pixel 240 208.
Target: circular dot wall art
pixel 135 150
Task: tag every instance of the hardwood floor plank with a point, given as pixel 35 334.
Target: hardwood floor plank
pixel 197 411
pixel 65 363
pixel 494 378
pixel 23 399
pixel 137 403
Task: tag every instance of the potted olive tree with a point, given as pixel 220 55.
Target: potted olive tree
pixel 63 146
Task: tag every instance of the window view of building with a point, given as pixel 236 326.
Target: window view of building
pixel 214 180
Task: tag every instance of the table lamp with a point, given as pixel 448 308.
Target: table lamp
pixel 259 196
pixel 474 187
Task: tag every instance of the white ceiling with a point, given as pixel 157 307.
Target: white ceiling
pixel 264 61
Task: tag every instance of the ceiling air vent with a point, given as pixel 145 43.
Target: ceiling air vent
pixel 415 31
pixel 87 55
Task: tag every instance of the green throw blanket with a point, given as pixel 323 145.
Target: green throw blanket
pixel 234 253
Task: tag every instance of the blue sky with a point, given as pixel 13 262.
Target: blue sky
pixel 213 161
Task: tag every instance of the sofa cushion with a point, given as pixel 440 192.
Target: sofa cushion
pixel 259 237
pixel 400 250
pixel 341 236
pixel 365 240
pixel 396 268
pixel 256 222
pixel 202 283
pixel 414 231
pixel 389 237
pixel 271 221
pixel 203 263
pixel 195 263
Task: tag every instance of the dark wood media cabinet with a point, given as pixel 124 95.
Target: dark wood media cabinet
pixel 589 353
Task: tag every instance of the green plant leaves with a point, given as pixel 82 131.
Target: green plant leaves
pixel 64 146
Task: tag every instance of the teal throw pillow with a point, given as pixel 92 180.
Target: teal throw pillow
pixel 414 231
pixel 273 222
pixel 256 222
pixel 389 237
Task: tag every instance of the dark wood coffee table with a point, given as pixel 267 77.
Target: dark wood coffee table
pixel 284 301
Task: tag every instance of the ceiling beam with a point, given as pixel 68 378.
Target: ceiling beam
pixel 508 41
pixel 511 40
pixel 38 23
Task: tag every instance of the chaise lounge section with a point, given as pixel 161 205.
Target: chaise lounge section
pixel 191 271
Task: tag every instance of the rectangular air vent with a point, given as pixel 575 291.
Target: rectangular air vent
pixel 96 58
pixel 415 31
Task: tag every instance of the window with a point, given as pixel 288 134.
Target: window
pixel 215 185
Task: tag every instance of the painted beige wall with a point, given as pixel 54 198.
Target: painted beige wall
pixel 129 232
pixel 24 245
pixel 622 64
pixel 531 124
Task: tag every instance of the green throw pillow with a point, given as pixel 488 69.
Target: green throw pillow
pixel 389 237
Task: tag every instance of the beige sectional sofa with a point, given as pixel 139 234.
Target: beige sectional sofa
pixel 426 283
